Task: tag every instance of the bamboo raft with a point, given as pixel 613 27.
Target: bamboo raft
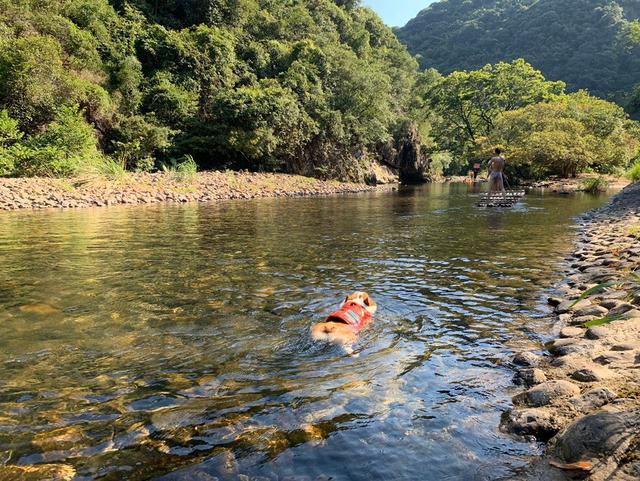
pixel 501 199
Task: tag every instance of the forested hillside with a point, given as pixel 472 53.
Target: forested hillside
pixel 317 87
pixel 589 44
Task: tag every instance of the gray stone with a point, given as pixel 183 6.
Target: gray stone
pixel 609 303
pixel 568 332
pixel 598 332
pixel 579 321
pixel 593 310
pixel 562 347
pixel 599 274
pixel 631 314
pixel 621 309
pixel 554 301
pixel 526 359
pixel 591 374
pixel 624 347
pixel 529 377
pixel 564 318
pixel 609 358
pixel 593 399
pixel 615 295
pixel 537 422
pixel 547 392
pixel 570 305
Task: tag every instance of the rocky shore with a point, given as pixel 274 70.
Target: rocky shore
pixel 582 389
pixel 575 184
pixel 150 188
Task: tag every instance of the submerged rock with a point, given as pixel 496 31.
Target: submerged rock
pixel 39 472
pixel 39 309
pixel 59 439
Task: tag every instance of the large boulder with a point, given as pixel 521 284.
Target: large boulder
pixel 597 435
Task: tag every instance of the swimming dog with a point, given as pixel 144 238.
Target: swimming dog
pixel 342 327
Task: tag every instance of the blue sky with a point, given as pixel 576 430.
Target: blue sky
pixel 397 12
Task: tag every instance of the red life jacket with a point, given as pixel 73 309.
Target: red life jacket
pixel 353 314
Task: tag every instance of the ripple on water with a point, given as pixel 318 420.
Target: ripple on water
pixel 172 342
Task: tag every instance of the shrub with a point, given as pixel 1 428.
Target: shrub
pixel 573 134
pixel 184 170
pixel 111 169
pixel 594 185
pixel 138 140
pixel 634 172
pixel 67 146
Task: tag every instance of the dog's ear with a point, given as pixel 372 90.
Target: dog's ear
pixel 366 299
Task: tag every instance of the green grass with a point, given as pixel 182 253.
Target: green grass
pixel 184 170
pixel 601 321
pixel 102 168
pixel 594 185
pixel 594 290
pixel 112 169
pixel 634 172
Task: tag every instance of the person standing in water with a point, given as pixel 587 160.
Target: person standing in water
pixel 496 167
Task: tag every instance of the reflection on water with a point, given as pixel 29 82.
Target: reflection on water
pixel 172 342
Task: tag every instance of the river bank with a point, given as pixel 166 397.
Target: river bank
pixel 151 188
pixel 583 388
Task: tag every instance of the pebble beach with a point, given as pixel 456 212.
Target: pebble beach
pixel 581 390
pixel 152 188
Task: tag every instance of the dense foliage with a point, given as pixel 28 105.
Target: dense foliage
pixel 589 44
pixel 543 130
pixel 310 86
pixel 467 103
pixel 574 133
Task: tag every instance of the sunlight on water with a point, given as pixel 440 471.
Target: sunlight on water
pixel 171 342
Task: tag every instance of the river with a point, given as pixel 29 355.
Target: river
pixel 171 342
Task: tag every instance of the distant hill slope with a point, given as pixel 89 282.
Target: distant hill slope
pixel 583 42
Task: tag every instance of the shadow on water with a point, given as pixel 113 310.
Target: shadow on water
pixel 171 342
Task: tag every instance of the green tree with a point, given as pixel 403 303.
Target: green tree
pixel 468 103
pixel 573 134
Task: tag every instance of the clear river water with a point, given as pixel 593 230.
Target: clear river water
pixel 172 342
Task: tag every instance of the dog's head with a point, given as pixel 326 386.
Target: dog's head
pixel 364 300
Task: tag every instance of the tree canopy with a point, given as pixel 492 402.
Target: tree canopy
pixel 544 131
pixel 572 134
pixel 308 86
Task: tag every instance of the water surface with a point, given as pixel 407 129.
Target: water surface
pixel 171 342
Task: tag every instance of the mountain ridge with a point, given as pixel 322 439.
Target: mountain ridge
pixel 582 42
